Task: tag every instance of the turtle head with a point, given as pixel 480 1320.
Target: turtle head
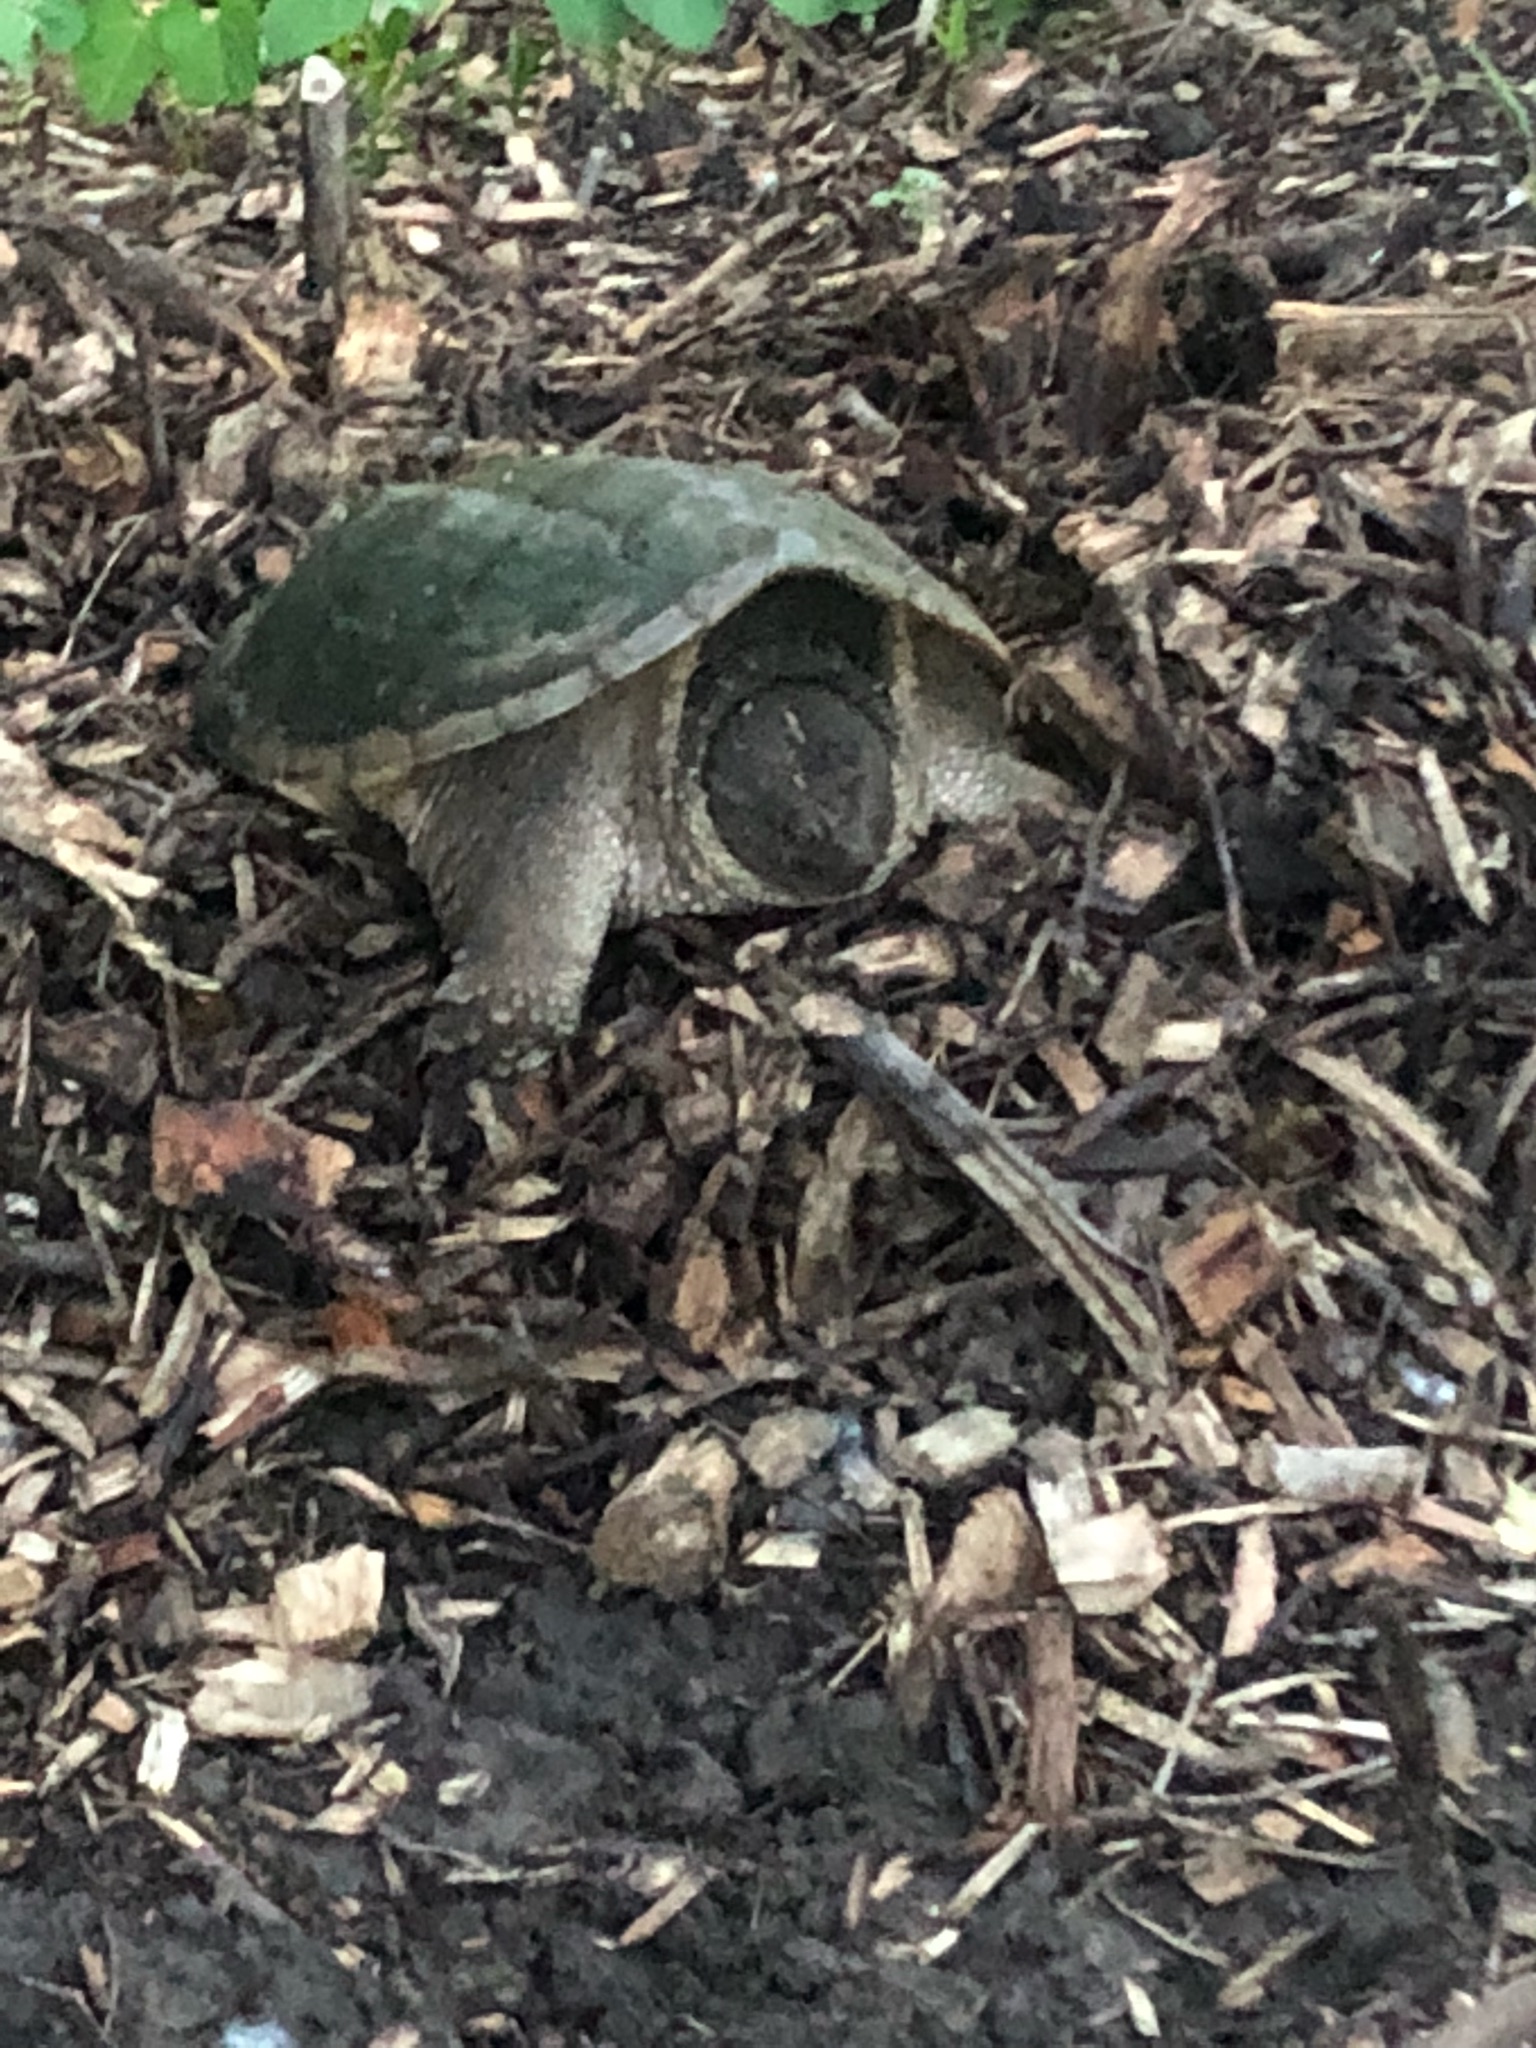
pixel 799 784
pixel 795 740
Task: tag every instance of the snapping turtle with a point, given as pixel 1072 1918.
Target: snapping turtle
pixel 601 688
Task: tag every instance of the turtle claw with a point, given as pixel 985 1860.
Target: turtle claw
pixel 508 1031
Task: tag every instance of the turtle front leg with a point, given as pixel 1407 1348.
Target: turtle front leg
pixel 522 847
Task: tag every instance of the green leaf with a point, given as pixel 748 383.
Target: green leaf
pixel 686 24
pixel 293 29
pixel 590 24
pixel 240 35
pixel 391 33
pixel 212 53
pixel 815 13
pixel 18 25
pixel 115 59
pixel 60 23
pixel 191 51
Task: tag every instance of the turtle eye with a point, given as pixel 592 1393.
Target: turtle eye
pixel 799 786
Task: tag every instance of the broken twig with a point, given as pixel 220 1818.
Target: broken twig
pixel 1041 1208
pixel 323 97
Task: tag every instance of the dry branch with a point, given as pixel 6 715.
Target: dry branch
pixel 1041 1208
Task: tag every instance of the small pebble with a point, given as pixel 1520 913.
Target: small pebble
pixel 257 2034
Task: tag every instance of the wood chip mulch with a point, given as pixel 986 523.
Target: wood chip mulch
pixel 1088 1290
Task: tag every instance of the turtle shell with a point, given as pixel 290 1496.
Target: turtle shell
pixel 435 618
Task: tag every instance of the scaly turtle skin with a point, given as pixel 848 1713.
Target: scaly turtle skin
pixel 604 688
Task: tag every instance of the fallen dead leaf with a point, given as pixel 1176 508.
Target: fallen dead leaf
pixel 117 1049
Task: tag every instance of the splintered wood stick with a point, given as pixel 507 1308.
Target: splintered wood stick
pixel 323 98
pixel 1041 1208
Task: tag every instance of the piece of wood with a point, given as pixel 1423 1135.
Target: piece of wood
pixel 1041 1208
pixel 323 99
